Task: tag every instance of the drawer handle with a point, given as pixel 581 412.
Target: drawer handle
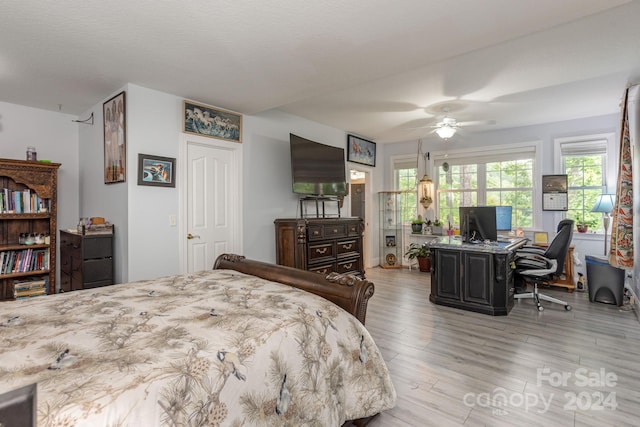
pixel 347 247
pixel 316 232
pixel 324 271
pixel 335 230
pixel 348 266
pixel 75 247
pixel 321 251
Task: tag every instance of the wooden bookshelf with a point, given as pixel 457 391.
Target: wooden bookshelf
pixel 37 181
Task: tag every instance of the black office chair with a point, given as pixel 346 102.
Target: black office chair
pixel 538 265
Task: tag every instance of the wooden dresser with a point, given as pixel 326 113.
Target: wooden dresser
pixel 86 261
pixel 322 245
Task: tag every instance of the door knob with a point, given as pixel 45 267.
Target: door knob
pixel 192 236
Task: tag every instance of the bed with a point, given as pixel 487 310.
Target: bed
pixel 244 344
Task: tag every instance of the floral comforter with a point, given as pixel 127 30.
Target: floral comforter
pixel 214 348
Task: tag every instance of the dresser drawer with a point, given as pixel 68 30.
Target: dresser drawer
pixel 354 229
pixel 348 247
pixel 323 269
pixel 315 232
pixel 97 247
pixel 351 266
pixel 321 251
pixel 98 270
pixel 332 231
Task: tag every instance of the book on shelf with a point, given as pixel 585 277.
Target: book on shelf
pixel 22 201
pixel 30 287
pixel 23 261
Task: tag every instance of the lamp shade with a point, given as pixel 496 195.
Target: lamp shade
pixel 445 131
pixel 604 204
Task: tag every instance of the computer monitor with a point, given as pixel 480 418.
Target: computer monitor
pixel 478 223
pixel 503 218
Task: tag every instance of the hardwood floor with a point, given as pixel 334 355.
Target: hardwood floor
pixel 452 367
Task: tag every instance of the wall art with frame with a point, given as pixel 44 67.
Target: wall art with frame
pixel 212 122
pixel 156 170
pixel 115 132
pixel 361 151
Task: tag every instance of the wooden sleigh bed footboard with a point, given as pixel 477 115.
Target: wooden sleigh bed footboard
pixel 348 292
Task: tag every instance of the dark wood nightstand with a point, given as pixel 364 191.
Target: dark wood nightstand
pixel 86 261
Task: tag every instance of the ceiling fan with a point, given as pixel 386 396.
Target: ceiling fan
pixel 449 126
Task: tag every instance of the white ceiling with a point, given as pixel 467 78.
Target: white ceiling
pixel 370 67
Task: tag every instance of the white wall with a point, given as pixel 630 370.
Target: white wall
pixel 267 175
pixel 55 137
pixel 145 245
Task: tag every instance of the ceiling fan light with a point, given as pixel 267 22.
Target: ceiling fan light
pixel 445 132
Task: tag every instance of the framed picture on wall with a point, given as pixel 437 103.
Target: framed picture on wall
pixel 157 171
pixel 115 132
pixel 212 122
pixel 361 151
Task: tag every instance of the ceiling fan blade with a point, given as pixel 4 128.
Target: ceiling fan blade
pixel 476 123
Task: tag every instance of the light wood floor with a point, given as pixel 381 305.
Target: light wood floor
pixel 450 367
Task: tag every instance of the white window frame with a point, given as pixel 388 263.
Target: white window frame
pixel 405 160
pixel 490 154
pixel 583 143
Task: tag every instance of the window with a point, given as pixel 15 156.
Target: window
pixel 405 177
pixel 585 162
pixel 510 183
pixel 457 186
pixel 489 178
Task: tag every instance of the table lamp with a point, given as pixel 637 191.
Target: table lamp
pixel 604 204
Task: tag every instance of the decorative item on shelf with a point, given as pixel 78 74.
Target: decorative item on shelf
pixel 32 154
pixel 604 204
pixel 390 241
pixel 416 225
pixel 391 259
pixel 427 227
pixel 29 239
pixel 419 252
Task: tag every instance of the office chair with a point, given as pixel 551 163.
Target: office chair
pixel 538 265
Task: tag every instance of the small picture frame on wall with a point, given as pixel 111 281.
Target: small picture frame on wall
pixel 361 151
pixel 115 132
pixel 211 122
pixel 156 171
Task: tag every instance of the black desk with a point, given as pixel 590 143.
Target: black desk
pixel 475 277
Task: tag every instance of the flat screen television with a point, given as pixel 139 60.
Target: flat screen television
pixel 503 218
pixel 317 169
pixel 478 224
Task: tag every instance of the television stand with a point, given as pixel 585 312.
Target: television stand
pixel 319 202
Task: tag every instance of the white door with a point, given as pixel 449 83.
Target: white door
pixel 212 215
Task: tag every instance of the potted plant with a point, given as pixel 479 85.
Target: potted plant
pixel 416 225
pixel 582 225
pixel 436 228
pixel 421 253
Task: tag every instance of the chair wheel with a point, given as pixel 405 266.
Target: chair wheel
pixel 567 307
pixel 540 308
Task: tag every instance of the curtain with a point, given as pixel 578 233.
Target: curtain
pixel 621 252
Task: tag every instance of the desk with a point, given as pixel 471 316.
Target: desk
pixel 566 280
pixel 475 277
